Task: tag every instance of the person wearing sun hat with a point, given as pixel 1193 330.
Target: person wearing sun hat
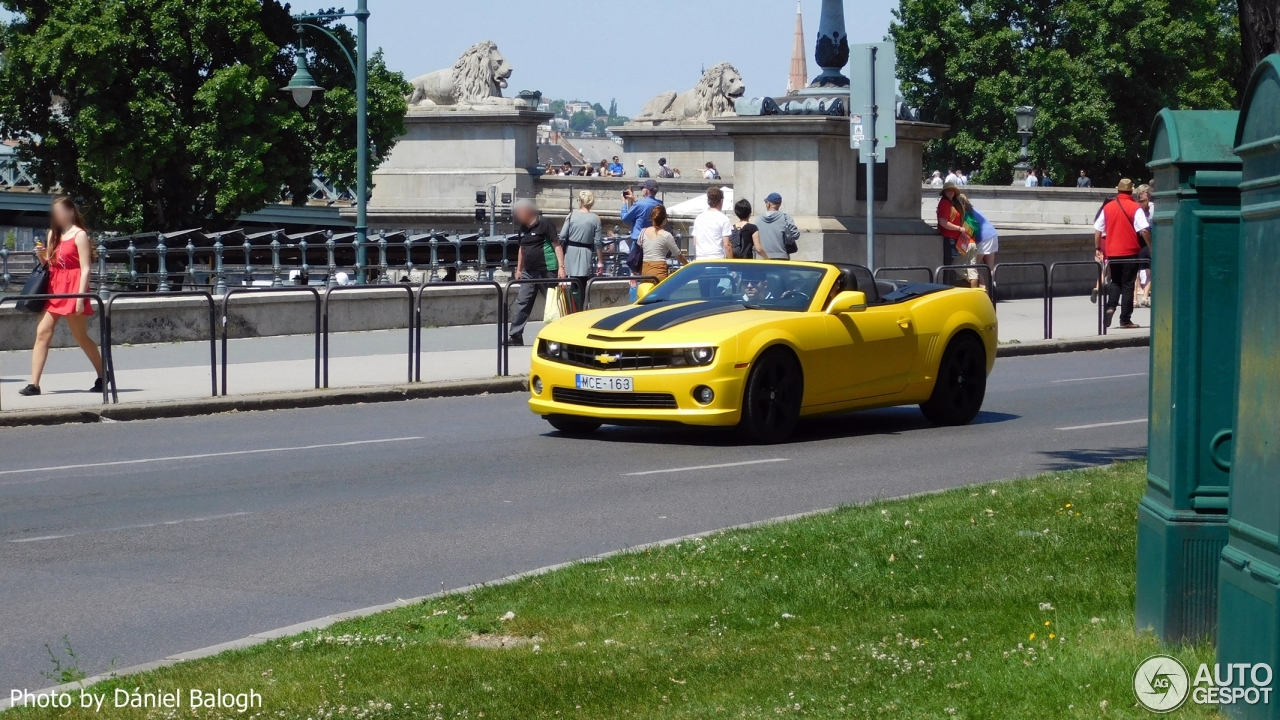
pixel 1119 233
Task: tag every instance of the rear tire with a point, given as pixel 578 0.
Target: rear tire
pixel 771 402
pixel 961 385
pixel 574 427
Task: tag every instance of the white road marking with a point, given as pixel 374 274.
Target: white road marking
pixel 131 527
pixel 1103 377
pixel 203 456
pixel 705 467
pixel 1105 424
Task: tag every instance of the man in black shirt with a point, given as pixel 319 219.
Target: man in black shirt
pixel 541 256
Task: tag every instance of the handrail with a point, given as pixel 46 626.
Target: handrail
pixel 991 292
pixel 586 291
pixel 905 268
pixel 102 325
pixel 501 318
pixel 324 313
pixel 1053 269
pixel 231 292
pixel 1048 319
pixel 506 299
pixel 213 332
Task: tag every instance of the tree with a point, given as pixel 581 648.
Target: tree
pixel 581 121
pixel 559 108
pixel 164 114
pixel 1097 74
pixel 613 108
pixel 1259 33
pixel 598 109
pixel 601 125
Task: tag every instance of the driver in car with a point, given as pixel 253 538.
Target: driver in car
pixel 755 288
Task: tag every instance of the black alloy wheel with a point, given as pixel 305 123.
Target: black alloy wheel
pixel 771 403
pixel 961 385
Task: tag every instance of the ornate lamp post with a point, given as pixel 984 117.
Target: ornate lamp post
pixel 1026 123
pixel 303 88
pixel 832 49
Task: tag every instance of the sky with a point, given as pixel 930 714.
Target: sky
pixel 606 49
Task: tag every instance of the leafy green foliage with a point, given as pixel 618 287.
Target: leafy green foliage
pixel 161 114
pixel 1097 73
pixel 581 121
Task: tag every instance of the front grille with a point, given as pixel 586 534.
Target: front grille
pixel 596 398
pixel 587 357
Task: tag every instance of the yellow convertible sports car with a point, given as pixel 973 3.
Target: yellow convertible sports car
pixel 760 344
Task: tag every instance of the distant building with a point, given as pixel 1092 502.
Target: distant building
pixel 573 108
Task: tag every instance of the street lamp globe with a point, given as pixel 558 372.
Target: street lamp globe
pixel 1026 118
pixel 302 86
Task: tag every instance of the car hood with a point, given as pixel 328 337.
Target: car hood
pixel 697 321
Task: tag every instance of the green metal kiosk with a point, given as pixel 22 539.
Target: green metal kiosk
pixel 1182 519
pixel 1249 574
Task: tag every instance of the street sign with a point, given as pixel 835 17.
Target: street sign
pixel 886 96
pixel 857 131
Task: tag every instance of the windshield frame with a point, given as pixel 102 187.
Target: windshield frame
pixel 737 266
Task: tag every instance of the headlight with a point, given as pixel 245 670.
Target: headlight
pixel 536 385
pixel 692 356
pixel 550 348
pixel 704 395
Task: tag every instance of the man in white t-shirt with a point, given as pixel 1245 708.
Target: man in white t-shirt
pixel 712 230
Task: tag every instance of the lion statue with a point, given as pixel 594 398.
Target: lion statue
pixel 476 79
pixel 712 97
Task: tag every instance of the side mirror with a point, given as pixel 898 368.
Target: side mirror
pixel 643 290
pixel 848 301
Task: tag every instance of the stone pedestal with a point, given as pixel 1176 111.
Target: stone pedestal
pixel 685 146
pixel 446 156
pixel 807 159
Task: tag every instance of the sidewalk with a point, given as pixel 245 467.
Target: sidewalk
pixel 180 371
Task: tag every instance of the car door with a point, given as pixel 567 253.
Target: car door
pixel 872 351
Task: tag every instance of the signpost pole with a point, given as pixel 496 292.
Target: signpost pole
pixel 871 160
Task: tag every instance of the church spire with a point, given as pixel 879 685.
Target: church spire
pixel 799 78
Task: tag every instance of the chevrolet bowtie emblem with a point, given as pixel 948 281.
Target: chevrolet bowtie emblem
pixel 605 359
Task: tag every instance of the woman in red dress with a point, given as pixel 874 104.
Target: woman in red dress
pixel 68 255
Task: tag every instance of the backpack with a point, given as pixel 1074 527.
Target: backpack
pixel 743 248
pixel 635 256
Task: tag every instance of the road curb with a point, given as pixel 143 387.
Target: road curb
pixel 397 393
pixel 1052 347
pixel 272 401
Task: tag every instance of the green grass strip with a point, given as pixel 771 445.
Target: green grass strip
pixel 1010 600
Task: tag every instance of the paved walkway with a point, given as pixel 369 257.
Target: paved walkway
pixel 276 364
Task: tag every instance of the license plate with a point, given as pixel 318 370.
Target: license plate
pixel 607 384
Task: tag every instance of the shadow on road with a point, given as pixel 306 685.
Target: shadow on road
pixel 1091 457
pixel 887 421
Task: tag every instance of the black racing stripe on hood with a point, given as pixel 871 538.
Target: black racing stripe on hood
pixel 686 313
pixel 612 322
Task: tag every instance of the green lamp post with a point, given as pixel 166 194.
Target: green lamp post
pixel 303 88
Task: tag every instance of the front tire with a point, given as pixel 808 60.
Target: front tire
pixel 574 427
pixel 771 402
pixel 962 383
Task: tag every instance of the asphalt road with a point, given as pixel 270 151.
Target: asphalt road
pixel 132 554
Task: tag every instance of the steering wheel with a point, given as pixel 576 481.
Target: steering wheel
pixel 794 294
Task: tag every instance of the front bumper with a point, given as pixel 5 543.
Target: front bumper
pixel 726 380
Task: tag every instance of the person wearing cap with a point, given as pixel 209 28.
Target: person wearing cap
pixel 950 215
pixel 637 213
pixel 641 170
pixel 778 232
pixel 664 172
pixel 541 256
pixel 1119 233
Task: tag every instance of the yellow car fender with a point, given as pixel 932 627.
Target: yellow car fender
pixel 960 321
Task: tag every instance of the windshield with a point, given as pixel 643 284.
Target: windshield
pixel 771 286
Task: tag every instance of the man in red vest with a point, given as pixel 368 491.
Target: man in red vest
pixel 1120 233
